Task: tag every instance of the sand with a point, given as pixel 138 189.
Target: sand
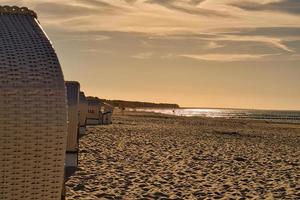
pixel 153 156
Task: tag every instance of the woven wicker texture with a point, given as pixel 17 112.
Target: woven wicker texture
pixel 33 111
pixel 73 89
pixel 107 118
pixel 83 109
pixel 107 111
pixel 94 115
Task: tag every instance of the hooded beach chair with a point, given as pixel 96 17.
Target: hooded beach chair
pixel 107 111
pixel 33 110
pixel 94 115
pixel 73 89
pixel 83 109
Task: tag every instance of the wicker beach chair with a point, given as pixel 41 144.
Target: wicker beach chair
pixel 33 110
pixel 107 111
pixel 94 115
pixel 73 89
pixel 83 109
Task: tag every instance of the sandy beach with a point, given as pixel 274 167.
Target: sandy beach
pixel 154 156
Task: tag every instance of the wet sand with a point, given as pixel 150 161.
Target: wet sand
pixel 154 156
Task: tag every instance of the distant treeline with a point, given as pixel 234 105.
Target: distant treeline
pixel 137 104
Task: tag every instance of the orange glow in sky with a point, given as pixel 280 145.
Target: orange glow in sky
pixel 198 53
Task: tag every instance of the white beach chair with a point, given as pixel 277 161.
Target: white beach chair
pixel 33 110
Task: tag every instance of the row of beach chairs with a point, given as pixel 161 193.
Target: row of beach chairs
pixel 82 111
pixel 41 115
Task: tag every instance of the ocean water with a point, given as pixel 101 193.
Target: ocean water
pixel 276 115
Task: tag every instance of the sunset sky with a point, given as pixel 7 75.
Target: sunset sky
pixel 197 53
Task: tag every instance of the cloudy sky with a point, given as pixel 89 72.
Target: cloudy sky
pixel 200 53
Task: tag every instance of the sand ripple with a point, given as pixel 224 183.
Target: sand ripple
pixel 159 157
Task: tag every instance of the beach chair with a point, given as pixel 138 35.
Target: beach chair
pixel 94 115
pixel 33 110
pixel 83 109
pixel 107 111
pixel 73 89
pixel 100 115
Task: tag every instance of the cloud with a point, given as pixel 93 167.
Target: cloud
pixel 273 31
pixel 153 16
pixel 196 2
pixel 287 6
pixel 84 37
pixel 96 51
pixel 168 56
pixel 235 37
pixel 145 55
pixel 63 10
pixel 95 3
pixel 102 37
pixel 131 1
pixel 188 7
pixel 213 45
pixel 226 57
pixel 276 42
pixel 195 22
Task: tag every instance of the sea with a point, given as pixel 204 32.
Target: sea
pixel 272 115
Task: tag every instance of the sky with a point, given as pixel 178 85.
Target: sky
pixel 197 53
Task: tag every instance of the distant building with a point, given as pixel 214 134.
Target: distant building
pixel 33 110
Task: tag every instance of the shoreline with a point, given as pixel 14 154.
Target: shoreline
pixel 275 121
